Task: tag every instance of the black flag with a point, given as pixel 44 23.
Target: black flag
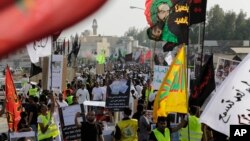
pixel 120 57
pixel 156 59
pixel 178 25
pixel 237 58
pixel 128 57
pixel 203 85
pixel 197 11
pixel 34 70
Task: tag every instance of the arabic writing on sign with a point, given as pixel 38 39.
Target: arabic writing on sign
pixel 40 43
pixel 244 119
pixel 181 8
pixel 182 20
pixel 231 103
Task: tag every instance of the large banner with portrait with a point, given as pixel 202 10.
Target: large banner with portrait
pixel 224 67
pixel 118 92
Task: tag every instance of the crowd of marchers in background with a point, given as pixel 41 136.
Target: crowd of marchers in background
pixel 40 110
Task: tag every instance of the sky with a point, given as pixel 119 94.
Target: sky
pixel 116 16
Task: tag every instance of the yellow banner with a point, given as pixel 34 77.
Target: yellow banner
pixel 172 95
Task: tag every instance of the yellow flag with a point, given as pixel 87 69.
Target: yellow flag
pixel 172 95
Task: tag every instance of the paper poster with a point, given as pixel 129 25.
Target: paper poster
pixel 67 118
pixel 118 93
pixel 27 136
pixel 56 71
pixel 224 67
pixel 159 74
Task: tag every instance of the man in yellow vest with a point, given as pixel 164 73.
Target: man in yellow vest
pixel 126 129
pixel 195 127
pixel 47 129
pixel 33 91
pixel 162 132
pixel 69 98
pixel 147 91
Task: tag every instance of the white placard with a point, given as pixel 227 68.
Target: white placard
pixel 16 135
pixel 95 103
pixel 56 73
pixel 69 114
pixel 159 74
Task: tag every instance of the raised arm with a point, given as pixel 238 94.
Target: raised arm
pixel 183 123
pixel 78 114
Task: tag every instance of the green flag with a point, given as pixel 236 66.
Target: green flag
pixel 100 58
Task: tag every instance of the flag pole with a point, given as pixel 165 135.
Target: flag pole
pixel 203 34
pixel 152 62
pixel 187 64
pixel 202 45
pixel 51 56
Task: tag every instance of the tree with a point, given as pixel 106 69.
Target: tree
pixel 228 30
pixel 140 35
pixel 215 20
pixel 226 25
pixel 247 29
pixel 194 34
pixel 132 31
pixel 241 28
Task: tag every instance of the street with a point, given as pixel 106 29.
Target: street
pixel 3 125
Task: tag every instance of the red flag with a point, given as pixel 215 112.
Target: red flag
pixel 13 105
pixel 148 55
pixel 147 13
pixel 24 21
pixel 142 58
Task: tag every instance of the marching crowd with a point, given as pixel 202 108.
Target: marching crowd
pixel 40 111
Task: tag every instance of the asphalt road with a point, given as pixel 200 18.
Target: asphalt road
pixel 3 125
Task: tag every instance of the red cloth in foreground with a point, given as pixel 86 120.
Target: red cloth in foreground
pixel 13 105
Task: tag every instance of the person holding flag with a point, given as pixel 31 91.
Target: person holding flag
pixel 194 126
pixel 47 129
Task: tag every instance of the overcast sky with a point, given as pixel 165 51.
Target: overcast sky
pixel 116 16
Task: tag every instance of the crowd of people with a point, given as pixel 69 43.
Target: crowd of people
pixel 40 110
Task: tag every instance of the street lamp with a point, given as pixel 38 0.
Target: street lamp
pixel 134 7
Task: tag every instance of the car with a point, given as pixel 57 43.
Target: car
pixel 18 86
